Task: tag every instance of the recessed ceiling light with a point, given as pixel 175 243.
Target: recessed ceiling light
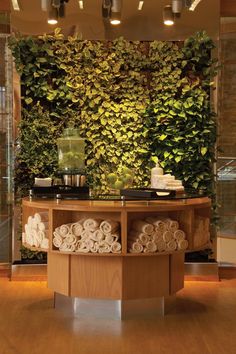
pixel 140 5
pixel 15 5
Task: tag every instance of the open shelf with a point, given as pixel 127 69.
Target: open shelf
pixel 117 275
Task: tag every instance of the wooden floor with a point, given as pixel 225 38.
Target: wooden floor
pixel 203 321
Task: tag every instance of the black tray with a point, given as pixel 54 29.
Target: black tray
pixel 148 193
pixel 60 192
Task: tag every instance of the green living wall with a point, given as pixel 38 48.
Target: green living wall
pixel 132 101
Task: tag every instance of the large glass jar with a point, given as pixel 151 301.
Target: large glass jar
pixel 71 154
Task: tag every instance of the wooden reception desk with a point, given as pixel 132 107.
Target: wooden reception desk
pixel 135 281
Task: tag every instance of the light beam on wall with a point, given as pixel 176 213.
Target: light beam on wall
pixel 194 5
pixel 15 5
pixel 140 5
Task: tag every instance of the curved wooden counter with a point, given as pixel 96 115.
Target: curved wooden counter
pixel 122 276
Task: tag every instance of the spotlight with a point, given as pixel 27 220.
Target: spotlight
pixel 115 13
pixel 52 16
pixel 115 18
pixel 168 16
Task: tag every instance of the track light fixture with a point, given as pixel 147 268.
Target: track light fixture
pixel 52 16
pixel 111 11
pixel 55 9
pixel 177 6
pixel 168 16
pixel 115 12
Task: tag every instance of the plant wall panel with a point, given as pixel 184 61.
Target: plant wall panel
pixel 132 101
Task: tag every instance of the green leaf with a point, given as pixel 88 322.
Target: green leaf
pixel 130 134
pixel 28 100
pixel 178 159
pixel 162 137
pixel 204 150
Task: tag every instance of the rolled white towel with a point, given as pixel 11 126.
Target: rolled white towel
pixel 159 224
pixel 45 243
pixel 29 220
pixel 41 216
pixel 27 229
pixel 85 235
pixel 63 230
pixel 34 224
pixel 103 247
pixel 91 224
pixel 182 245
pixel 167 236
pixel 66 247
pixel 94 249
pixel 135 247
pixel 116 247
pixel 150 247
pixel 172 225
pixel 171 245
pixel 144 239
pixel 109 226
pixel 179 235
pixel 143 226
pixel 82 247
pixel 76 229
pixel 139 236
pixel 42 226
pixel 109 239
pixel 57 239
pixel 89 243
pixel 71 239
pixel 37 218
pixel 30 239
pixel 36 239
pixel 97 235
pixel 161 246
pixel 156 236
pixel 41 235
pixel 115 236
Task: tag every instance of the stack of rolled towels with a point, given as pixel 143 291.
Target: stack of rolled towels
pixel 88 235
pixel 168 181
pixel 201 234
pixel 156 235
pixel 36 231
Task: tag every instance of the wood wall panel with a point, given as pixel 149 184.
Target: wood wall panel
pixel 227 8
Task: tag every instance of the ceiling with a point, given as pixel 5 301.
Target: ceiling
pixel 136 25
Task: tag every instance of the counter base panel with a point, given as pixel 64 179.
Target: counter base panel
pixel 110 309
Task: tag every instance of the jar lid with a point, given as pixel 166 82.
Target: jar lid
pixel 70 132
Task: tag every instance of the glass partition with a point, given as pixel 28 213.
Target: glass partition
pixel 226 193
pixel 6 160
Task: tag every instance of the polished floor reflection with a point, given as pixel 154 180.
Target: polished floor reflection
pixel 203 321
